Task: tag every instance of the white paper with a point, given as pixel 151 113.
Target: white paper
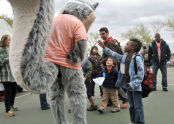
pixel 99 80
pixel 1 87
pixel 122 68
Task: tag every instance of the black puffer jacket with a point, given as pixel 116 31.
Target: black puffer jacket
pixel 110 77
pixel 153 52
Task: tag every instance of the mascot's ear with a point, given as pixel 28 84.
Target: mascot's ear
pixel 95 5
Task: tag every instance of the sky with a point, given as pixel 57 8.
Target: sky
pixel 121 15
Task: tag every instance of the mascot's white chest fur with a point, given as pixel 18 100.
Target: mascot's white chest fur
pixel 25 14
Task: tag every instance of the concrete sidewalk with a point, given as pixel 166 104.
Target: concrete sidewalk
pixel 158 109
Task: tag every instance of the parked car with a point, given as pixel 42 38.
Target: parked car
pixel 170 63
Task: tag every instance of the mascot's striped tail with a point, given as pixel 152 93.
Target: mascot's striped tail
pixel 32 25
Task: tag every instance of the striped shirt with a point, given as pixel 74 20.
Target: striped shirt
pixel 5 71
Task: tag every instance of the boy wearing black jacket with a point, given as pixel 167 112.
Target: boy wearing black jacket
pixel 109 90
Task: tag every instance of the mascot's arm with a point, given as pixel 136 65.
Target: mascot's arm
pixel 78 54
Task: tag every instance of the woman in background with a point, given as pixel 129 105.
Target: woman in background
pixel 6 77
pixel 95 59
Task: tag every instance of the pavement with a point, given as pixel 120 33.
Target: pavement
pixel 158 108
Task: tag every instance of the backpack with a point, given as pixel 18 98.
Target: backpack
pixel 147 83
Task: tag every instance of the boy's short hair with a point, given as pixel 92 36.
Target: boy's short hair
pixel 105 29
pixel 137 44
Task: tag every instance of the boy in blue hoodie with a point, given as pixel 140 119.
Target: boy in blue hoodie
pixel 109 90
pixel 132 79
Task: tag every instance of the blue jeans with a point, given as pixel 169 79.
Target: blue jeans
pixel 136 107
pixel 43 101
pixel 163 69
pixel 88 87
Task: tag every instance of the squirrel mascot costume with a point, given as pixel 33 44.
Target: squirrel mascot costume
pixel 46 53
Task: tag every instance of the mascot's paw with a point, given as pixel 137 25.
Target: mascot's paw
pixel 72 57
pixel 79 52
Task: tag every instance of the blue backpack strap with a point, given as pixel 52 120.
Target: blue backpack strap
pixel 104 74
pixel 150 44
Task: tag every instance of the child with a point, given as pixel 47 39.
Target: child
pixel 87 70
pixel 109 90
pixel 133 80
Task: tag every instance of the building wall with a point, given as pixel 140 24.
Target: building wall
pixel 5 28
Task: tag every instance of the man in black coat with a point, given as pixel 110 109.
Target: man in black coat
pixel 159 53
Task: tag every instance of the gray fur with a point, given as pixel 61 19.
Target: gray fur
pixel 79 8
pixel 78 54
pixel 36 71
pixel 71 81
pixel 39 74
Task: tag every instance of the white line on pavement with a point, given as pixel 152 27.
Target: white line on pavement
pixel 23 95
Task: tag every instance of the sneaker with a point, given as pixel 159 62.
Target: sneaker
pixel 92 108
pixel 15 108
pixel 114 110
pixel 165 89
pixel 45 108
pixel 124 105
pixel 100 111
pixel 10 114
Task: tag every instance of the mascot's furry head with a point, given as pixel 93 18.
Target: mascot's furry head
pixel 82 9
pixel 79 8
pixel 32 25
